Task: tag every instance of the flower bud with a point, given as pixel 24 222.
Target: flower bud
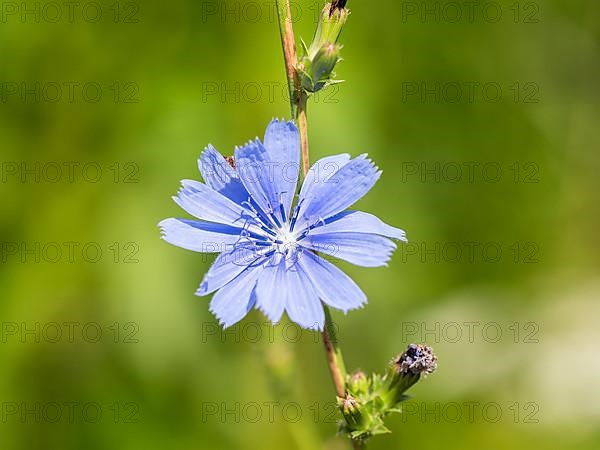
pixel 337 4
pixel 324 62
pixel 329 27
pixel 358 383
pixel 317 73
pixel 350 408
pixel 315 67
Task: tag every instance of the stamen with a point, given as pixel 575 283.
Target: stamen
pixel 276 220
pixel 268 230
pixel 281 208
pixel 320 221
pixel 295 215
pixel 303 235
pixel 262 243
pixel 267 219
pixel 242 239
pixel 259 214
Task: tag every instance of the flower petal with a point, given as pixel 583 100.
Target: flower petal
pixel 268 289
pixel 255 170
pixel 342 189
pixel 284 285
pixel 302 303
pixel 205 237
pixel 359 222
pixel 334 287
pixel 226 267
pixel 362 249
pixel 282 142
pixel 220 176
pixel 320 172
pixel 234 300
pixel 202 202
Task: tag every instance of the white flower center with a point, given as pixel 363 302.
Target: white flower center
pixel 287 243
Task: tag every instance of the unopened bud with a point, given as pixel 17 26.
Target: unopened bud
pixel 358 383
pixel 317 73
pixel 337 5
pixel 316 64
pixel 350 408
pixel 331 21
pixel 324 62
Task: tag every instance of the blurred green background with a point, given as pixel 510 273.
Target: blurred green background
pixel 486 128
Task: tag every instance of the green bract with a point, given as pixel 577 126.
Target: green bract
pixel 370 399
pixel 317 62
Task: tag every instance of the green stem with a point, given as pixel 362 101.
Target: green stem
pixel 358 445
pixel 297 95
pixel 298 99
pixel 302 121
pixel 335 359
pixel 286 30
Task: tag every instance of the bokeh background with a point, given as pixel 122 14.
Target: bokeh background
pixel 495 183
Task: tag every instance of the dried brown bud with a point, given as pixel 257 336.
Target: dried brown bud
pixel 417 359
pixel 337 4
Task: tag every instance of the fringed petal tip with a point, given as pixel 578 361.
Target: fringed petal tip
pixel 393 233
pixel 277 121
pixel 250 142
pixel 273 320
pixel 366 157
pixel 186 188
pixel 162 224
pixel 220 320
pixel 317 327
pixel 402 237
pixel 223 322
pixel 353 308
pixel 209 149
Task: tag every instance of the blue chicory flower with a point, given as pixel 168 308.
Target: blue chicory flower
pixel 268 257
